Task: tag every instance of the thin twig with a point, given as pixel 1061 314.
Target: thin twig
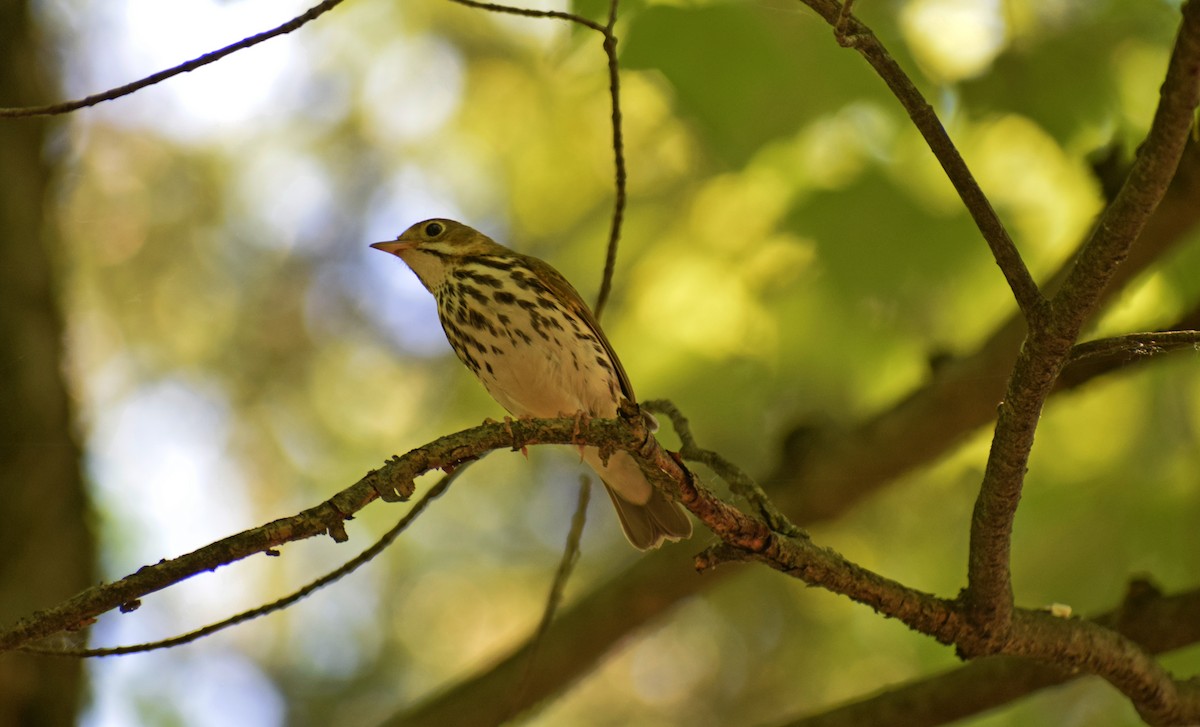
pixel 393 481
pixel 842 27
pixel 566 564
pixel 851 32
pixel 528 13
pixel 1135 345
pixel 204 60
pixel 349 567
pixel 1095 358
pixel 618 143
pixel 740 483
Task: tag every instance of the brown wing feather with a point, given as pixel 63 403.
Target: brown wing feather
pixel 563 289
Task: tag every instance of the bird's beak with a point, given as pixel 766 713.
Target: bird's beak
pixel 392 246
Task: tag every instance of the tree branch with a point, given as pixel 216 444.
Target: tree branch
pixel 129 88
pixel 566 564
pixel 744 538
pixel 528 13
pixel 1070 643
pixel 392 482
pixel 1156 622
pixel 852 33
pixel 740 483
pixel 989 591
pixel 1096 358
pixel 349 567
pixel 821 473
pixel 618 145
pixel 1134 345
pixel 1155 165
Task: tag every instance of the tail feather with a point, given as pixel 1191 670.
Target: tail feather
pixel 648 526
pixel 648 516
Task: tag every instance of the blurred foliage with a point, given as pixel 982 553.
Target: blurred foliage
pixel 791 253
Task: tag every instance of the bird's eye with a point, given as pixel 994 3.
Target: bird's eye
pixel 433 229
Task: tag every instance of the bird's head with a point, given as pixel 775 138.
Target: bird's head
pixel 433 247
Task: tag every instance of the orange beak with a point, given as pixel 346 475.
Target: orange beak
pixel 392 246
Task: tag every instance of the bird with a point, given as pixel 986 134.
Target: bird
pixel 528 336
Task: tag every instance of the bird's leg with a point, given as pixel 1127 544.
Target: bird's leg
pixel 508 422
pixel 581 418
pixel 508 426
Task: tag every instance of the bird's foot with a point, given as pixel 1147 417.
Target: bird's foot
pixel 581 419
pixel 508 422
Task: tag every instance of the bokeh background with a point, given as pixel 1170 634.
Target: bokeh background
pixel 792 253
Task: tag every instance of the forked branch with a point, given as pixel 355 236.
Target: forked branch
pixel 989 593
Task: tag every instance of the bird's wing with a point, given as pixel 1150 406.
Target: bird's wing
pixel 566 292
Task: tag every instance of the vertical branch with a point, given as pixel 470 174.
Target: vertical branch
pixel 566 564
pixel 618 138
pixel 618 142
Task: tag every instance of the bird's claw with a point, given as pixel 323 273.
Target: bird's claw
pixel 581 419
pixel 508 422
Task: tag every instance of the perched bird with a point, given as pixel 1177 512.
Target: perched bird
pixel 527 335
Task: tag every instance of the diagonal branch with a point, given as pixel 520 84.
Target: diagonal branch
pixel 852 33
pixel 744 537
pixel 1155 165
pixel 392 482
pixel 67 107
pixel 1043 636
pixel 530 13
pixel 345 569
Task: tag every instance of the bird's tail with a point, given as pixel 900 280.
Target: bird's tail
pixel 647 515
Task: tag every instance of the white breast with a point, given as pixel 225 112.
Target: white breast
pixel 534 357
